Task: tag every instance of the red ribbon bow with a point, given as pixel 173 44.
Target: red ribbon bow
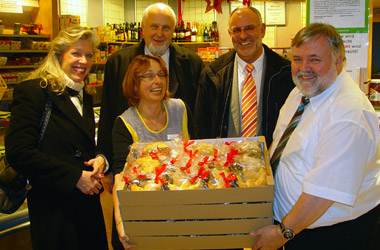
pixel 200 175
pixel 188 165
pixel 204 162
pixel 228 179
pixel 231 157
pixel 174 160
pixel 156 155
pixel 215 154
pixel 125 179
pixel 138 174
pixel 186 143
pixel 159 170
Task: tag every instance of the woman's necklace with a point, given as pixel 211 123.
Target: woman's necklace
pixel 154 123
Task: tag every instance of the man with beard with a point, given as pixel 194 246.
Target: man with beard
pixel 184 67
pixel 328 173
pixel 219 109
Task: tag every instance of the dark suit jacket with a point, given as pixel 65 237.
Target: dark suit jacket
pixel 61 216
pixel 214 95
pixel 185 67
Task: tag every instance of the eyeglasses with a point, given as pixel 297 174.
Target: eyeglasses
pixel 247 29
pixel 151 76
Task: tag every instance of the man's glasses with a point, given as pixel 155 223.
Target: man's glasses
pixel 150 76
pixel 247 29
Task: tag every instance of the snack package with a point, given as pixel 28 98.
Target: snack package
pixel 195 164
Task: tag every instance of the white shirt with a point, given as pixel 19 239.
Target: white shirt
pixel 78 86
pixel 332 153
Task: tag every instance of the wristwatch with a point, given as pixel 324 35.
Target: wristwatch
pixel 286 232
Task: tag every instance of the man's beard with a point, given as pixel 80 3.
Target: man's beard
pixel 308 88
pixel 319 84
pixel 157 51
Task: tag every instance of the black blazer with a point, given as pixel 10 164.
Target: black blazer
pixel 61 216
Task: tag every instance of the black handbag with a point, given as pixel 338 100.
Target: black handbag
pixel 14 186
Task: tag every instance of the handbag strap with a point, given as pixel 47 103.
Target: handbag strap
pixel 45 119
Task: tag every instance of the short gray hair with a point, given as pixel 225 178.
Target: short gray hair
pixel 324 30
pixel 256 11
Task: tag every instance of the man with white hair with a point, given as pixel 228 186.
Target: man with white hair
pixel 184 66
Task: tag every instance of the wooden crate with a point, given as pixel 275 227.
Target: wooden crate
pixel 197 219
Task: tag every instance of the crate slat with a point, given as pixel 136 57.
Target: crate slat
pixel 206 211
pixel 206 242
pixel 199 196
pixel 187 228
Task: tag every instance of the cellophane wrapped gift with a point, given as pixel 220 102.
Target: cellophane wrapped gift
pixel 195 164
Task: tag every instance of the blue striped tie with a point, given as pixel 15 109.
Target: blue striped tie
pixel 288 132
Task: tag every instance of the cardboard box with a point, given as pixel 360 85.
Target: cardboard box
pixel 66 21
pixel 197 219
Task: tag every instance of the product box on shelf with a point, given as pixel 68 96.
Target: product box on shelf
pixel 3 87
pixel 201 218
pixel 66 21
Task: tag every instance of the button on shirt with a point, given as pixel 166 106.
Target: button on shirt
pixel 331 154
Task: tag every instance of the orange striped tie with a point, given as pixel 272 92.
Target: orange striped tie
pixel 249 105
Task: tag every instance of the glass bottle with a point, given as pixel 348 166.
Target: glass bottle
pixel 199 33
pixel 188 32
pixel 140 33
pixel 182 32
pixel 194 33
pixel 205 34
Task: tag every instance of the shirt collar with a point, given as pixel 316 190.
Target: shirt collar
pixel 78 86
pixel 317 100
pixel 258 64
pixel 164 56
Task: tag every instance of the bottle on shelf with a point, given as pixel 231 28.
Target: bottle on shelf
pixel 182 32
pixel 216 32
pixel 126 28
pixel 194 33
pixel 136 33
pixel 205 34
pixel 133 33
pixel 188 33
pixel 129 32
pixel 210 34
pixel 139 31
pixel 199 33
pixel 177 33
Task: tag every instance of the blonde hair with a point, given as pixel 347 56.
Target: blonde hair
pixel 50 71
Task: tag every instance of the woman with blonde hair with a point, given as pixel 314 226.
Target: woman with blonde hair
pixel 63 169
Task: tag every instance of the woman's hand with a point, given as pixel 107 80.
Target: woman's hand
pixel 88 184
pixel 119 222
pixel 98 166
pixel 122 236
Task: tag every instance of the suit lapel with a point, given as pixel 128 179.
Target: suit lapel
pixel 64 104
pixel 177 64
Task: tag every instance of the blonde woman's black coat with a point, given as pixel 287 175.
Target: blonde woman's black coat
pixel 61 216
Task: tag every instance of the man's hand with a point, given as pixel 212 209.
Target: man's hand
pixel 270 238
